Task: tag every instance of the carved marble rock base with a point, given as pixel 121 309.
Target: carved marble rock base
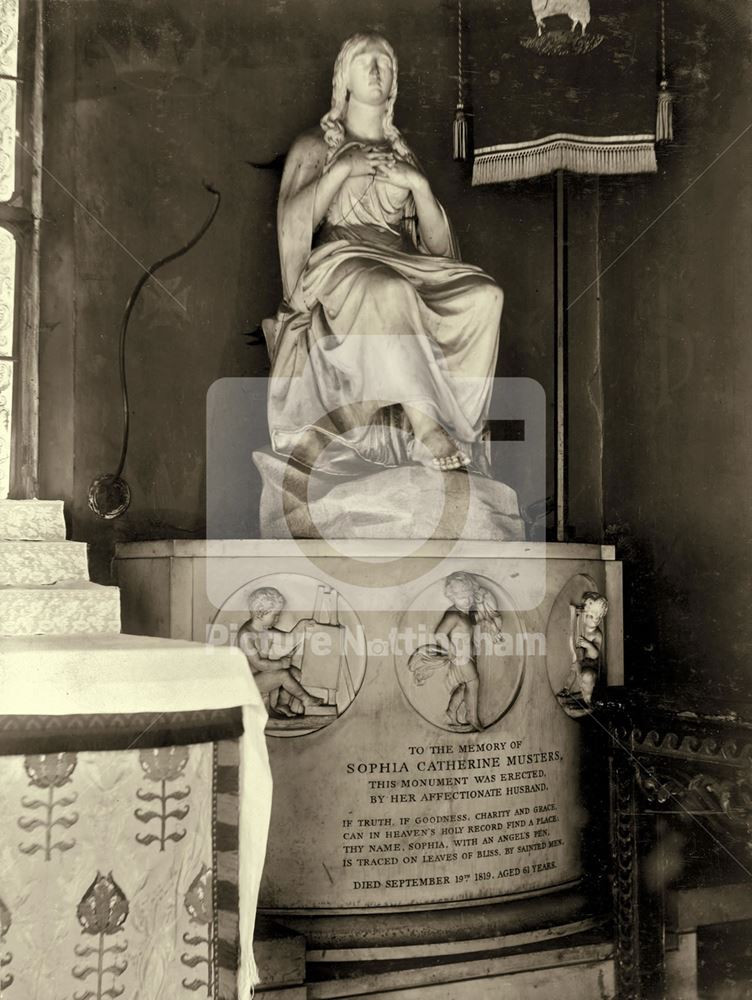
pixel 408 502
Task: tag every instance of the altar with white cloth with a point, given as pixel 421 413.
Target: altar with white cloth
pixel 135 801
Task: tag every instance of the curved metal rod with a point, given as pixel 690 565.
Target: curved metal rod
pixel 129 309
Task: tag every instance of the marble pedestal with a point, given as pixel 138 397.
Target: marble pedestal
pixel 396 831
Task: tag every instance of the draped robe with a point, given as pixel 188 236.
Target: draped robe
pixel 371 320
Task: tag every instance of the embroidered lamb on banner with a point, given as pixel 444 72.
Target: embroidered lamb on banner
pixel 578 12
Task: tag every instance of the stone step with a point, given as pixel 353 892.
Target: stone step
pixel 72 608
pixel 24 564
pixel 32 520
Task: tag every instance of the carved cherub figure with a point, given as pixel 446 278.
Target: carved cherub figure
pixel 594 608
pixel 269 649
pixel 472 606
pixel 588 644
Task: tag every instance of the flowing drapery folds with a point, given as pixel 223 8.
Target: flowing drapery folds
pixel 563 85
pixel 372 321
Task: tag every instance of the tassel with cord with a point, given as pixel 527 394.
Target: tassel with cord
pixel 459 126
pixel 459 133
pixel 664 121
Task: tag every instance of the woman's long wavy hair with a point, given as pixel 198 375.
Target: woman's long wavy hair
pixel 332 123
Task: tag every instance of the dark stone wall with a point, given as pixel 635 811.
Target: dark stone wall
pixel 676 319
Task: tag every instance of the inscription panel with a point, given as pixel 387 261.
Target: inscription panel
pixel 502 830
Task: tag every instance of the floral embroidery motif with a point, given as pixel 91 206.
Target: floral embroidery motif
pixel 6 978
pixel 102 912
pixel 49 772
pixel 161 765
pixel 199 903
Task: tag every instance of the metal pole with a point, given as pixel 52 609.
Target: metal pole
pixel 560 363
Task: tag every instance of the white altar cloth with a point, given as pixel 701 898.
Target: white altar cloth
pixel 117 673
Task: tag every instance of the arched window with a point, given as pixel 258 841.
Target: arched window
pixel 21 52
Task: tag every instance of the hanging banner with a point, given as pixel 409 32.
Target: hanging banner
pixel 563 85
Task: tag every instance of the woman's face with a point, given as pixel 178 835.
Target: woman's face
pixel 370 75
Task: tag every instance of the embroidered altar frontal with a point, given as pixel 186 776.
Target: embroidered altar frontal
pixel 562 84
pixel 120 873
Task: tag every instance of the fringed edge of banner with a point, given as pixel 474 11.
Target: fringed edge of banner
pixel 581 157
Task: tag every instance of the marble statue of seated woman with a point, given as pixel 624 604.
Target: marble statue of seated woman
pixel 385 345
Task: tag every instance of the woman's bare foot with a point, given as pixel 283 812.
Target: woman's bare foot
pixel 457 460
pixel 439 451
pixel 439 445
